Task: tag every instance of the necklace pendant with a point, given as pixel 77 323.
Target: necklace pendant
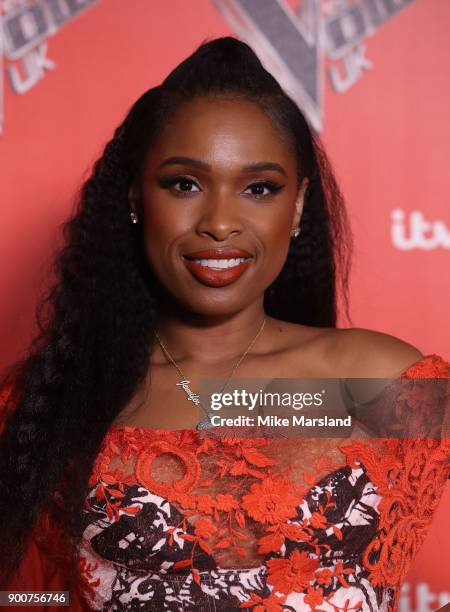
pixel 184 384
pixel 195 399
pixel 191 396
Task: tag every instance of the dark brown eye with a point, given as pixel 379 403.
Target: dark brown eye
pixel 185 185
pixel 258 189
pixel 263 189
pixel 179 184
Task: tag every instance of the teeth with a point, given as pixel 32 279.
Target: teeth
pixel 220 263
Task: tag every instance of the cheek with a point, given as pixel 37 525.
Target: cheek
pixel 277 229
pixel 277 250
pixel 275 239
pixel 159 218
pixel 163 224
pixel 157 236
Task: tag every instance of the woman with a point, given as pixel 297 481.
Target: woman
pixel 183 262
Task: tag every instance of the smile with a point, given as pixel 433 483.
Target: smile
pixel 217 272
pixel 220 264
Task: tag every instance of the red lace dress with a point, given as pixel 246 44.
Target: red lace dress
pixel 178 521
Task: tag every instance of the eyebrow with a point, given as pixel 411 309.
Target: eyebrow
pixel 197 163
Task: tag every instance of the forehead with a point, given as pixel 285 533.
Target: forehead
pixel 216 130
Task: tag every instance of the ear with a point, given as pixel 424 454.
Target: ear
pixel 300 202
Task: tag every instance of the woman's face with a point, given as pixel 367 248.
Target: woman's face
pixel 219 198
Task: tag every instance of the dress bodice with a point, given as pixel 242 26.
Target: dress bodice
pixel 179 521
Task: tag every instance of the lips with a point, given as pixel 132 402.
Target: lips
pixel 217 277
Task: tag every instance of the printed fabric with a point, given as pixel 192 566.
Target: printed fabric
pixel 179 521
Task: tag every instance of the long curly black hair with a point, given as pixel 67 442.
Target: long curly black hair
pixel 96 322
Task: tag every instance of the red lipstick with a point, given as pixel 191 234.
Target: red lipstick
pixel 216 276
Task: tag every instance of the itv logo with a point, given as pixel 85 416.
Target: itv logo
pixel 412 231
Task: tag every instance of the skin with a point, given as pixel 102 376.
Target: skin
pixel 218 204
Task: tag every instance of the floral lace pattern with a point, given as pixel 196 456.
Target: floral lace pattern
pixel 176 521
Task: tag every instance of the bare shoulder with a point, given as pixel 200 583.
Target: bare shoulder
pixel 369 353
pixel 352 352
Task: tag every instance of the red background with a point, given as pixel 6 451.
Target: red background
pixel 387 137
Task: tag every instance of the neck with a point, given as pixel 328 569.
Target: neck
pixel 206 339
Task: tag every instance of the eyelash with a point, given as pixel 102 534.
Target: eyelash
pixel 168 182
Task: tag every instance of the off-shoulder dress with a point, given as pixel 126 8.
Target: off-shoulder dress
pixel 178 521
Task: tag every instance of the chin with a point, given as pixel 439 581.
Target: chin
pixel 208 307
pixel 207 301
pixel 215 310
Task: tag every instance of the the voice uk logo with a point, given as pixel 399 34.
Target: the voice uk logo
pixel 24 29
pixel 294 43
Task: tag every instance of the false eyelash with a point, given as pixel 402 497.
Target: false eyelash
pixel 274 187
pixel 169 181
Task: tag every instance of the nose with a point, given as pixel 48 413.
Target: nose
pixel 219 219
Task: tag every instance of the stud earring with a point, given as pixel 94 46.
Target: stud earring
pixel 295 233
pixel 133 217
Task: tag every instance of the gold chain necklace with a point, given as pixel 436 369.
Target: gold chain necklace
pixel 184 383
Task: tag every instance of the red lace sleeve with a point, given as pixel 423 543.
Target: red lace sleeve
pixel 435 367
pixel 430 366
pixel 410 472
